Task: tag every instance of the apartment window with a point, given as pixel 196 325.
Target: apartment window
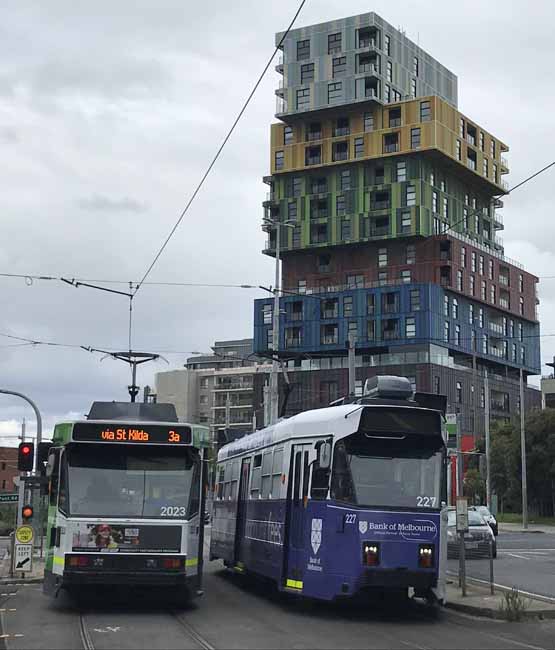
pixel 368 122
pixel 303 98
pixel 459 280
pixel 413 87
pixel 490 269
pixel 359 147
pixel 437 385
pixel 296 237
pixel 435 202
pixel 410 195
pixel 514 353
pixel 520 333
pixel 339 66
pixel 495 174
pixel 390 329
pixel 297 185
pixel 446 331
pixel 279 158
pixel 301 286
pixel 465 218
pixel 394 117
pixel 492 294
pixel 521 306
pixel 314 131
pixel 389 71
pixel 319 185
pixel 318 234
pixel 269 339
pixel 492 148
pixel 352 331
pixel 446 207
pixel 471 314
pixel 471 159
pixel 481 317
pixel 293 337
pixel 292 210
pixel 387 44
pixel 345 180
pixel 425 112
pixel 391 143
pixel 267 314
pixel 371 330
pixel 415 66
pixel 485 167
pixel 318 208
pixel 355 281
pixel 473 267
pixel 474 202
pixel 329 308
pixel 482 141
pixel 347 306
pixel 382 278
pixel 458 395
pixel 415 138
pixel 473 340
pixel 459 150
pixel 334 43
pixel 345 229
pixel 303 49
pixel 307 73
pixel 483 290
pixel 334 91
pixel 414 299
pixel 463 257
pixel 340 151
pixel 340 205
pixel 406 225
pixel 387 94
pixel 328 335
pixel 455 308
pixel 382 257
pixel 472 287
pixel 461 128
pixel 370 304
pixel 481 267
pixel 446 305
pixel 406 276
pixel 313 155
pixel 511 329
pixel 379 175
pixel 483 398
pixel 520 282
pixel 485 344
pixel 410 327
pixel 287 135
pixel 523 356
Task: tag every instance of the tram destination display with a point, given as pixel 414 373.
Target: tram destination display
pixel 159 434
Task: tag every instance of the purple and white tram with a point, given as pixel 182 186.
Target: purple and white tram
pixel 339 500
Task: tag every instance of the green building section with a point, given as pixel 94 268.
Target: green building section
pixel 381 199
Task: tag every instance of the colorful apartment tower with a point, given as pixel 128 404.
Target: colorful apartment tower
pixel 392 197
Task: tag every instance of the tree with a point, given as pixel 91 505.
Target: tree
pixel 474 486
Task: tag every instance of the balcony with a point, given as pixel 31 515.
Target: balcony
pixel 280 90
pixel 391 148
pixel 233 385
pixel 281 105
pixel 364 43
pixel 504 185
pixel 380 205
pixel 504 162
pixel 293 342
pixel 498 221
pixel 279 64
pixel 496 328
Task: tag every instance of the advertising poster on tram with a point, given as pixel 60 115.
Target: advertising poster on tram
pixel 116 538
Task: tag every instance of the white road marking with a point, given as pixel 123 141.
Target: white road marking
pixel 410 644
pixel 520 557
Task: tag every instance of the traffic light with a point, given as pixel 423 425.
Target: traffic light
pixel 26 456
pixel 27 513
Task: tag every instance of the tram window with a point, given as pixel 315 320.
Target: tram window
pixel 297 477
pixel 220 492
pixel 235 471
pixel 54 478
pixel 320 483
pixel 342 485
pixel 255 478
pixel 233 490
pixel 306 474
pixel 276 473
pixel 266 475
pixel 63 504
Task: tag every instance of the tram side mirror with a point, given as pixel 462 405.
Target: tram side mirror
pixel 324 455
pixel 50 465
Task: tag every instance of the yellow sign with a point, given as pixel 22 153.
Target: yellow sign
pixel 24 534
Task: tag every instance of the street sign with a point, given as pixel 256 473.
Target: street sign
pixel 9 498
pixel 24 534
pixel 451 428
pixel 23 557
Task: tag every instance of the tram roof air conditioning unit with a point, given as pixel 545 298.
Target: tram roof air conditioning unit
pixel 387 387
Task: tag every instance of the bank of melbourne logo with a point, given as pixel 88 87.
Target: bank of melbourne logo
pixel 363 526
pixel 316 535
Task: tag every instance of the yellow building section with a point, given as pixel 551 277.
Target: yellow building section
pixel 426 123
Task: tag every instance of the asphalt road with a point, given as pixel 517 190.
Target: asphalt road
pixel 237 612
pixel 524 560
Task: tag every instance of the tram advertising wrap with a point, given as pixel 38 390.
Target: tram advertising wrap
pixel 121 538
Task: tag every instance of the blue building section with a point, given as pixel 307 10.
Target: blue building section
pixel 393 316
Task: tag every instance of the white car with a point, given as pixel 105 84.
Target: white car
pixel 477 540
pixel 486 514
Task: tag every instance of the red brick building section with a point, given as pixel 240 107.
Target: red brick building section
pixel 8 468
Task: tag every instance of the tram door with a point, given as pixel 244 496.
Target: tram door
pixel 296 534
pixel 242 502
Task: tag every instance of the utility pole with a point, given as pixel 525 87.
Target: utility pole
pixel 523 455
pixel 274 377
pixel 351 363
pixel 23 430
pixel 487 434
pixel 33 406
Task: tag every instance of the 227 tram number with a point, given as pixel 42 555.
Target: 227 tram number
pixel 425 502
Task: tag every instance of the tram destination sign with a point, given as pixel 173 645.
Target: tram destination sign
pixel 132 433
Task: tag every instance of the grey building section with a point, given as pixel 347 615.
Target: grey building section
pixel 358 59
pixel 236 353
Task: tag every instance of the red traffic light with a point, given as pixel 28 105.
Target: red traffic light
pixel 25 450
pixel 25 456
pixel 27 512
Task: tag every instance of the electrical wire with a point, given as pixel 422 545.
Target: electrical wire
pixel 220 149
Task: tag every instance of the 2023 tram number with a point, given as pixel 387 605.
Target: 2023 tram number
pixel 173 511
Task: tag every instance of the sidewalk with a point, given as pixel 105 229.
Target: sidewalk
pixel 479 602
pixel 532 528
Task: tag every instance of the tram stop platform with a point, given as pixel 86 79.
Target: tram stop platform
pixel 480 602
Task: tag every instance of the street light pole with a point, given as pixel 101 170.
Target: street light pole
pixel 523 456
pixel 34 407
pixel 274 377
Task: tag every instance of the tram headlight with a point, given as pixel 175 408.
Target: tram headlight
pixel 371 553
pixel 426 556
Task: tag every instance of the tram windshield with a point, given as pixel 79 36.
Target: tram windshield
pixel 401 473
pixel 125 481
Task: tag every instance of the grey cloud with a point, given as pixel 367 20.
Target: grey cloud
pixel 102 203
pixel 8 135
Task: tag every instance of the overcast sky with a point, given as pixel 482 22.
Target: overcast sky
pixel 109 114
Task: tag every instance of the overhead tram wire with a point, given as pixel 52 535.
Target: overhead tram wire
pixel 220 149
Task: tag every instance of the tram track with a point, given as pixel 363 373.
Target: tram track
pixel 197 638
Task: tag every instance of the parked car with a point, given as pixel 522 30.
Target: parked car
pixel 477 540
pixel 486 514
